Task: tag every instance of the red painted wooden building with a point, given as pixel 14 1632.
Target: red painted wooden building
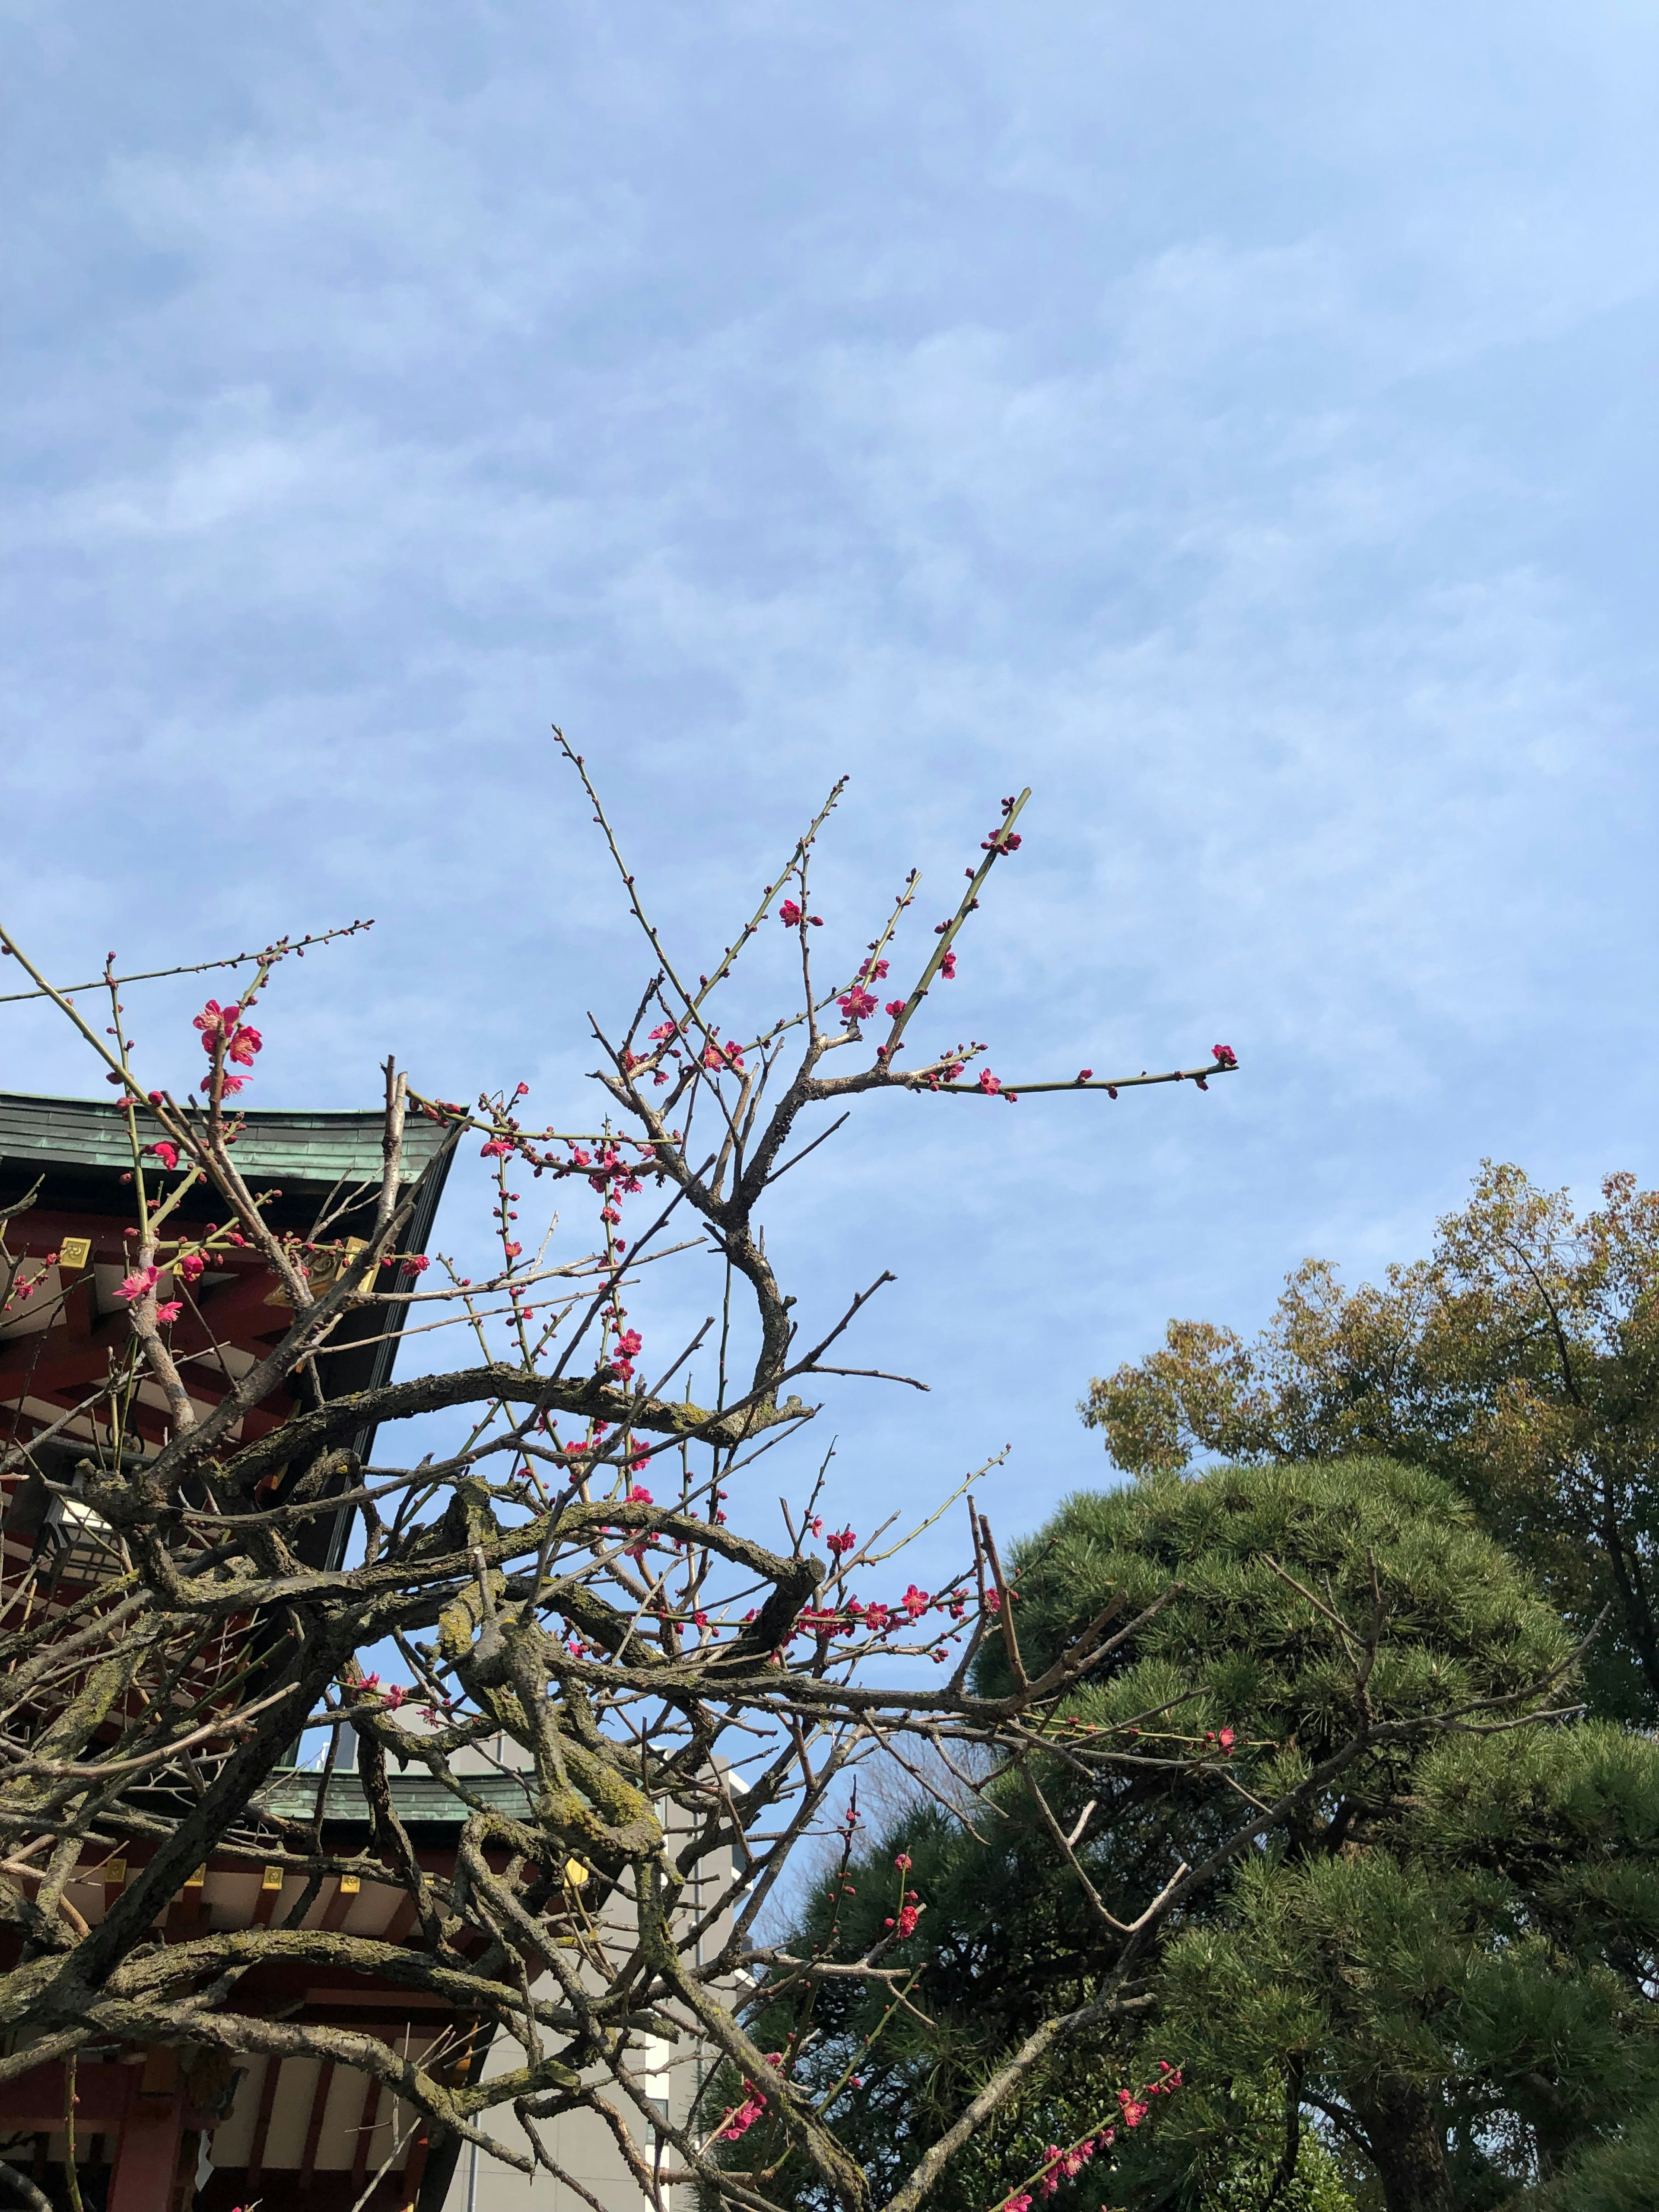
pixel 155 2134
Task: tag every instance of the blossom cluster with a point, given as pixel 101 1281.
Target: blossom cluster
pixel 903 1922
pixel 227 1037
pixel 738 2122
pixel 858 1002
pixel 391 1697
pixel 1066 2164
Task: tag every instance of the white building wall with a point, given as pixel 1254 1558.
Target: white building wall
pixel 582 2142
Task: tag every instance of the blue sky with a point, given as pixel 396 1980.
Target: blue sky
pixel 1234 421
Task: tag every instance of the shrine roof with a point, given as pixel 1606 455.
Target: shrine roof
pixel 312 1148
pixel 416 1798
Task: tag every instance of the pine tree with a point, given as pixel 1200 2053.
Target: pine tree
pixel 1441 1972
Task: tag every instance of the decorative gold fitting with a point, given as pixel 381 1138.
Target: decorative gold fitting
pixel 322 1270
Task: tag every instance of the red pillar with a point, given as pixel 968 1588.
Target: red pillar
pixel 147 2159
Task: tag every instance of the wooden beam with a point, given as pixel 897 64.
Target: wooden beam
pixel 35 2099
pixel 401 1922
pixel 161 2075
pixel 75 1350
pixel 367 2122
pixel 314 2127
pixel 256 2156
pixel 347 1891
pixel 271 1889
pixel 278 1981
pixel 186 1916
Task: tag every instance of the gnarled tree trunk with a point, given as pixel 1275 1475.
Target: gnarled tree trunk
pixel 1402 2124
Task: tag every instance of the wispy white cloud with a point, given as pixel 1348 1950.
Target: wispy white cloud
pixel 1223 423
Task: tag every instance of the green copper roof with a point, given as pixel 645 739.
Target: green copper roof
pixel 310 1148
pixel 415 1795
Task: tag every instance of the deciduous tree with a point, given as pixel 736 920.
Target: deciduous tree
pixel 1520 1361
pixel 585 1572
